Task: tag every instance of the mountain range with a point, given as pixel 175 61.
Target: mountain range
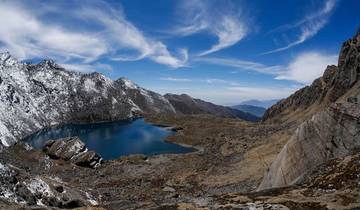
pixel 36 96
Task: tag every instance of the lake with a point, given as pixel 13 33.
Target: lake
pixel 114 139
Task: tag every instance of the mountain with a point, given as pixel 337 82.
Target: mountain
pixel 254 110
pixel 333 128
pixel 185 104
pixel 35 96
pixel 260 103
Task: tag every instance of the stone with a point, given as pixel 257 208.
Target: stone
pixel 168 189
pixel 88 159
pixel 22 191
pixel 74 150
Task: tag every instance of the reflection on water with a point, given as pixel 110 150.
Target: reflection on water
pixel 115 139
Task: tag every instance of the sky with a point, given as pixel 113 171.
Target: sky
pixel 221 51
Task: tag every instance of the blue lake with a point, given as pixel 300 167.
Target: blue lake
pixel 114 139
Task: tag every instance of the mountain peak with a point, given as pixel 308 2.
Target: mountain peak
pixel 128 83
pixel 7 59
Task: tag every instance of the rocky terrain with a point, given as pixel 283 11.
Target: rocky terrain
pixel 303 155
pixel 184 104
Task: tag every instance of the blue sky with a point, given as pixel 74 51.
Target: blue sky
pixel 222 51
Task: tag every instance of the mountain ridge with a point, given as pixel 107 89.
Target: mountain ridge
pixel 185 104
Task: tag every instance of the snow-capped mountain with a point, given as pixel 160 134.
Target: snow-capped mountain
pixel 35 96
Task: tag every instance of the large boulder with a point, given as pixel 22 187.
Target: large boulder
pixel 74 150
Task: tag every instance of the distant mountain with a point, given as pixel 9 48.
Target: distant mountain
pixel 260 103
pixel 254 110
pixel 185 104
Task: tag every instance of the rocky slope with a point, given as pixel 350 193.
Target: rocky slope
pixel 185 104
pixel 34 96
pixel 330 133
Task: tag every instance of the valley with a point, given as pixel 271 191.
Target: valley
pixel 302 154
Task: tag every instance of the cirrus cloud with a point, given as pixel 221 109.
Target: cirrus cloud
pixel 27 33
pixel 217 18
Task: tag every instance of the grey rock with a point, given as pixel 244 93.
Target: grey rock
pixel 74 150
pixel 87 159
pixel 22 191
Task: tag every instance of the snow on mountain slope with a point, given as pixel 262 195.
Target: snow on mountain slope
pixel 35 96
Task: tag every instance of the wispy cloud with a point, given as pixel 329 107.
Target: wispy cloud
pixel 27 33
pixel 86 68
pixel 303 68
pixel 244 65
pixel 220 19
pixel 174 79
pixel 309 26
pixel 307 66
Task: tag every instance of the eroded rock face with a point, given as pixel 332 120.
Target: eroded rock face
pixel 74 150
pixel 332 133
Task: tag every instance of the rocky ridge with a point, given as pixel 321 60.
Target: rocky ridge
pixel 334 83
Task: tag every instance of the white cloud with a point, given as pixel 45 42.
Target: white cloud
pixel 86 68
pixel 244 65
pixel 25 36
pixel 27 33
pixel 224 23
pixel 303 69
pixel 308 66
pixel 174 79
pixel 260 93
pixel 309 26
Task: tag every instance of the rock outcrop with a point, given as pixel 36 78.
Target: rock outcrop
pixel 185 104
pixel 35 96
pixel 17 187
pixel 74 150
pixel 332 132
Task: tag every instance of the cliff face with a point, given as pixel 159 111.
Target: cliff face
pixel 330 133
pixel 34 96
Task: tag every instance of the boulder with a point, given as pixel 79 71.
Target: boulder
pixel 74 150
pixel 87 159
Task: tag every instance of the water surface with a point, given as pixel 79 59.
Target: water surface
pixel 114 139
